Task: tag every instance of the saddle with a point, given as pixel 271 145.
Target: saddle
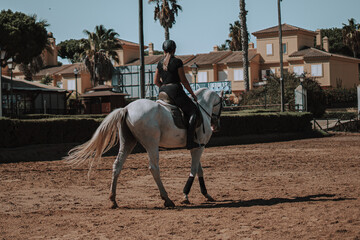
pixel 176 113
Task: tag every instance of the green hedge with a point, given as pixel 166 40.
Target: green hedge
pixel 340 115
pixel 261 123
pixel 42 116
pixel 16 133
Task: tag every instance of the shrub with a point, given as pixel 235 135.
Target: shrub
pixel 316 99
pixel 341 97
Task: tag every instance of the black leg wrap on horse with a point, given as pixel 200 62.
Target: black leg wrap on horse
pixel 202 185
pixel 188 185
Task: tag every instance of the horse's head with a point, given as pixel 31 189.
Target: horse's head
pixel 216 112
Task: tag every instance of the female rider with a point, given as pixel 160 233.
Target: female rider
pixel 169 76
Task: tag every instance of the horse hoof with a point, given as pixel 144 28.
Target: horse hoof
pixel 186 201
pixel 209 198
pixel 169 204
pixel 114 205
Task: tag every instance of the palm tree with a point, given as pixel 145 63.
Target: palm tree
pixel 234 42
pixel 351 36
pixel 244 43
pixel 30 69
pixel 166 14
pixel 99 52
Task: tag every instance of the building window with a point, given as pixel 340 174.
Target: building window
pixel 222 75
pixel 316 70
pixel 284 48
pixel 59 84
pixel 71 85
pixel 299 70
pixel 239 74
pixel 202 77
pixel 269 49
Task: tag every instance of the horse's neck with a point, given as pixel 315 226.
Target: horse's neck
pixel 207 102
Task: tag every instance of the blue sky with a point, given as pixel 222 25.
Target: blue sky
pixel 201 25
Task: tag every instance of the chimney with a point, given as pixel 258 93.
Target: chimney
pixel 251 45
pixel 216 48
pixel 151 49
pixel 318 38
pixel 326 44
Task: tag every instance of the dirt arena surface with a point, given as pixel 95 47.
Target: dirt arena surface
pixel 303 189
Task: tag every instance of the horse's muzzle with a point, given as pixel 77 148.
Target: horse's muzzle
pixel 215 126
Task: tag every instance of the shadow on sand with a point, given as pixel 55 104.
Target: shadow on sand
pixel 267 202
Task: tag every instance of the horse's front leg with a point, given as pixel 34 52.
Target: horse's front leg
pixel 195 161
pixel 202 184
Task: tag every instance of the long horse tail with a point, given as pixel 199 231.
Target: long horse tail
pixel 104 138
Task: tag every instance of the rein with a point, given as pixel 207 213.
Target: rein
pixel 213 114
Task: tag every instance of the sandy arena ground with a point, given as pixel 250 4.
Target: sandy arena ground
pixel 303 189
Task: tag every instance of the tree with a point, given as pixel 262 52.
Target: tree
pixel 22 36
pixel 244 43
pixel 71 49
pixel 234 42
pixel 223 47
pixel 315 94
pixel 47 79
pixel 351 36
pixel 336 43
pixel 99 50
pixel 165 11
pixel 30 69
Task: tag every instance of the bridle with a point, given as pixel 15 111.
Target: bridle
pixel 214 117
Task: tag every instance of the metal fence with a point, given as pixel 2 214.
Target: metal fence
pixel 126 79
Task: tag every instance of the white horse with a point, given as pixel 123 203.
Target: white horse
pixel 150 124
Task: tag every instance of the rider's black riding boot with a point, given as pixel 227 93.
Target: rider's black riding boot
pixel 190 144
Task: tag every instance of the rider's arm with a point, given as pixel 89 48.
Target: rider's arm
pixel 185 82
pixel 157 80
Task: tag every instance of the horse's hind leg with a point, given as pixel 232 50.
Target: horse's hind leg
pixel 127 144
pixel 155 171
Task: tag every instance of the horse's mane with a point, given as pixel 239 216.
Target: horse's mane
pixel 203 93
pixel 200 92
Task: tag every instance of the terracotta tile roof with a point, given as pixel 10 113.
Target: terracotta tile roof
pixel 128 43
pixel 314 53
pixel 102 94
pixel 156 58
pixel 186 58
pixel 147 60
pixel 208 58
pixel 71 67
pixel 102 88
pixel 284 27
pixel 64 69
pixel 236 57
pixel 52 70
pixel 310 52
pixel 21 84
